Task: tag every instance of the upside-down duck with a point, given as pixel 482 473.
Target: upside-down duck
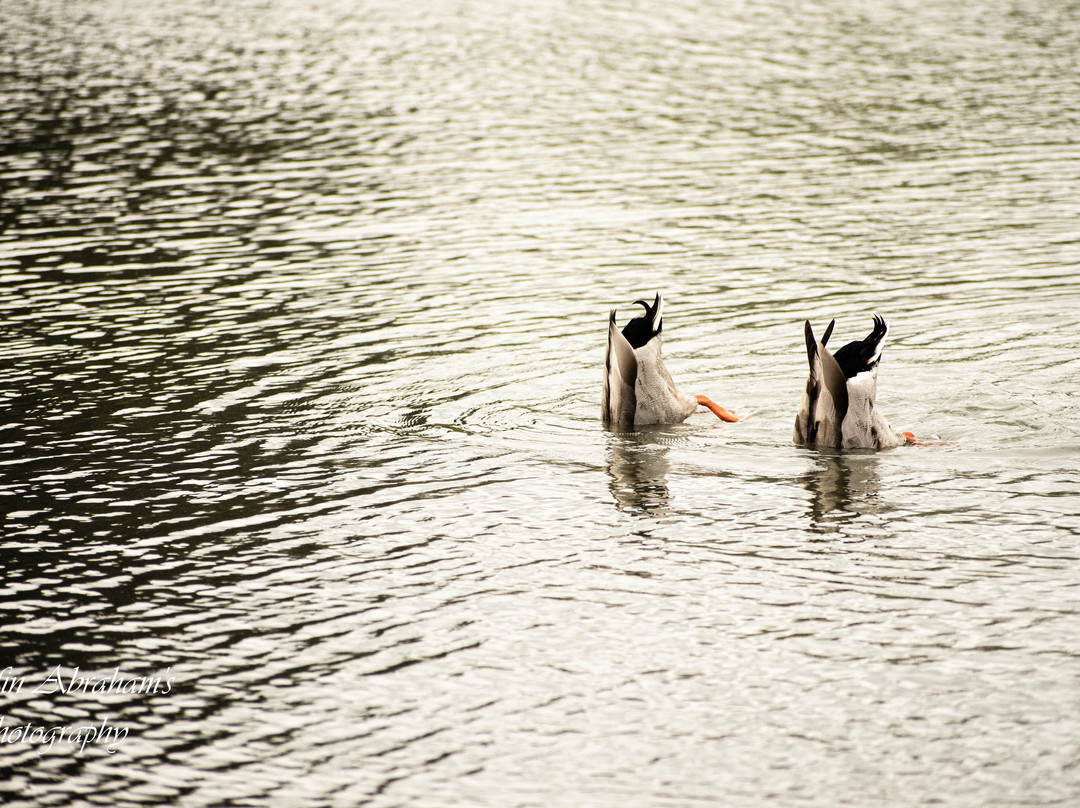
pixel 838 405
pixel 638 389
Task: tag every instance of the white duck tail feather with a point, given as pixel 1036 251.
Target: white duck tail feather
pixel 836 384
pixel 825 399
pixel 619 399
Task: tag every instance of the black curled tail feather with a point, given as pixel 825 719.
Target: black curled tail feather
pixel 640 330
pixel 863 355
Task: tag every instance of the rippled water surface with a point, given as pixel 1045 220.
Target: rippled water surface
pixel 302 309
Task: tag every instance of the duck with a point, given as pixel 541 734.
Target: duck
pixel 838 409
pixel 638 389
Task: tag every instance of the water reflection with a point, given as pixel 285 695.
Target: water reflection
pixel 299 306
pixel 638 466
pixel 842 487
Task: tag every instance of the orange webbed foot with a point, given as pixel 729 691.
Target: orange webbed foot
pixel 911 439
pixel 720 412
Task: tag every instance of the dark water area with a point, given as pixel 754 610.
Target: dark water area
pixel 305 495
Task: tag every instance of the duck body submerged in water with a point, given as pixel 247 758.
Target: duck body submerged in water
pixel 838 408
pixel 638 389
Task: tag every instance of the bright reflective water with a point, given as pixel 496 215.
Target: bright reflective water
pixel 302 308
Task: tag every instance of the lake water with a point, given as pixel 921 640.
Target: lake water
pixel 303 309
